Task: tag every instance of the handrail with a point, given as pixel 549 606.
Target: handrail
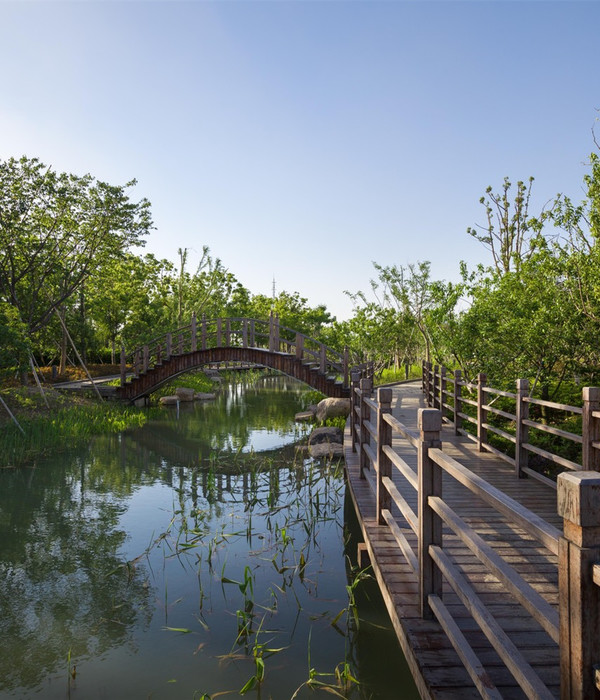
pixel 374 431
pixel 202 334
pixel 515 427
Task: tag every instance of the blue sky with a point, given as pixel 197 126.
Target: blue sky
pixel 304 140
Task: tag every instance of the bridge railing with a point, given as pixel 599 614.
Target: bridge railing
pixel 433 528
pixel 202 334
pixel 501 422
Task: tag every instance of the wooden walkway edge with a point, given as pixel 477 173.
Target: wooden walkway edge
pixel 436 667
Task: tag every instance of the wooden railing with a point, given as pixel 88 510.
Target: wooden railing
pixel 463 402
pixel 575 626
pixel 202 334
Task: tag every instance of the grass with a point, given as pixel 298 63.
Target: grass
pixel 391 375
pixel 197 381
pixel 69 420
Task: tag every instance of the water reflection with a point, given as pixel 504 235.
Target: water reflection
pixel 60 543
pixel 164 559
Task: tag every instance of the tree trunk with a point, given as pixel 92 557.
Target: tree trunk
pixel 63 344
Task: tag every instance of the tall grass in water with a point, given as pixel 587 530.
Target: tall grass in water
pixel 61 428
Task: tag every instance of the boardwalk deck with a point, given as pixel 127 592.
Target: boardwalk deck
pixel 436 667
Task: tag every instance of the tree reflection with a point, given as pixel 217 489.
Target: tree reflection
pixel 64 584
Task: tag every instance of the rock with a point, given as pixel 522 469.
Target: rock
pixel 325 449
pixel 184 394
pixel 168 400
pixel 201 396
pixel 332 436
pixel 331 408
pixel 213 374
pixel 304 416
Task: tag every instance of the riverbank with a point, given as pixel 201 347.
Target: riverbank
pixel 60 424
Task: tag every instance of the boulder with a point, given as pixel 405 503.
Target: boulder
pixel 184 394
pixel 168 400
pixel 329 436
pixel 325 449
pixel 304 416
pixel 332 408
pixel 213 374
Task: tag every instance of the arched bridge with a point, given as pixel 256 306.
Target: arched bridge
pixel 245 340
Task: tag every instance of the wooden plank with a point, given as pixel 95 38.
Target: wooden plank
pixel 546 533
pixel 512 657
pixel 476 671
pixel 436 666
pixel 534 603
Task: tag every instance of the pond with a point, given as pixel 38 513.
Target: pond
pixel 200 556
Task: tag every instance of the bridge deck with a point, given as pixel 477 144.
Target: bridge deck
pixel 437 669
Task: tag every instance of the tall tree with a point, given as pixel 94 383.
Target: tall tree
pixel 508 228
pixel 55 228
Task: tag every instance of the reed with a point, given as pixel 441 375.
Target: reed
pixel 66 427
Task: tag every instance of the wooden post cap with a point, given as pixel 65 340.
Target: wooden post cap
pixel 384 395
pixel 430 420
pixel 579 498
pixel 591 393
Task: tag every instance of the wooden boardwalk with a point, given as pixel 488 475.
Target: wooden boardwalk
pixel 436 667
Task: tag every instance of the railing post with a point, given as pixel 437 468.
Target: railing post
pixel 423 378
pixel 123 368
pixel 434 392
pixel 481 413
pixel 429 382
pixel 228 332
pixel 219 331
pixel 194 338
pixel 522 431
pixel 579 583
pixel 245 333
pixel 355 375
pixel 384 465
pixel 323 360
pixel 346 365
pixel 252 340
pixel 442 390
pixel 430 525
pixel 365 414
pixel 457 398
pixel 299 346
pixel 168 346
pixel 590 428
pixel 271 332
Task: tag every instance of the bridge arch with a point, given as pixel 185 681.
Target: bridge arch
pixel 263 343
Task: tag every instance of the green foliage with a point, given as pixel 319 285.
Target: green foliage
pixel 14 342
pixel 507 232
pixel 54 229
pixel 48 432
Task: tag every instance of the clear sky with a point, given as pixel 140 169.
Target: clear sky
pixel 304 140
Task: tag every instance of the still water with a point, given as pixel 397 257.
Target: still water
pixel 197 557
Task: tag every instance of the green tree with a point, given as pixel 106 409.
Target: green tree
pixel 507 233
pixel 55 228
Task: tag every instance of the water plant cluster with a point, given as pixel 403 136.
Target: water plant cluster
pixel 46 431
pixel 254 538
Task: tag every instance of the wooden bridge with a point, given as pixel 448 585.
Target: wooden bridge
pixel 491 576
pixel 234 340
